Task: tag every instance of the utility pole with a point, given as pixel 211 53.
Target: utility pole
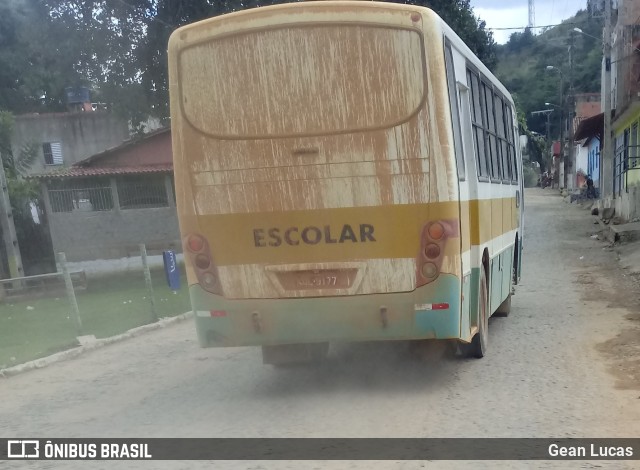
pixel 561 157
pixel 9 229
pixel 547 114
pixel 560 170
pixel 569 162
pixel 606 168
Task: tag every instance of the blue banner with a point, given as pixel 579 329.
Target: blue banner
pixel 171 269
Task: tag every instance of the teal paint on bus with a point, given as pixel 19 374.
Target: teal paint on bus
pixel 340 318
pixel 465 317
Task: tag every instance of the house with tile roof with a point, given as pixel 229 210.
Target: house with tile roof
pixel 104 206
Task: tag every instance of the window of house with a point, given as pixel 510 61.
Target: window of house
pixel 80 195
pixel 52 152
pixel 633 149
pixel 141 192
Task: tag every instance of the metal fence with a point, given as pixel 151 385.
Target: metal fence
pixel 142 192
pixel 96 194
pixel 619 168
pixel 89 199
pixel 627 158
pixel 44 314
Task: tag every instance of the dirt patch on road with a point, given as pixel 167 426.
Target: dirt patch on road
pixel 624 349
pixel 604 281
pixel 624 352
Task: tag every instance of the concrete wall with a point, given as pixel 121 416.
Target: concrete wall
pixel 114 234
pixel 81 135
pixel 86 235
pixel 628 12
pixel 628 204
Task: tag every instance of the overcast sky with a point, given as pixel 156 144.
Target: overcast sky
pixel 510 13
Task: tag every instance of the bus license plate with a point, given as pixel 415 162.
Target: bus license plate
pixel 325 279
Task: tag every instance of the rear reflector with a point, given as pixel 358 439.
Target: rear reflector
pixel 218 313
pixel 444 306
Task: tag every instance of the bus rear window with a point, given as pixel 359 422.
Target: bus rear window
pixel 303 80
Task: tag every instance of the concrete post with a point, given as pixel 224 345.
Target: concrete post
pixel 606 172
pixel 571 182
pixel 46 199
pixel 169 189
pixel 71 295
pixel 147 280
pixel 570 163
pixel 114 193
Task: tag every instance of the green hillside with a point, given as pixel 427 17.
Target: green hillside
pixel 522 63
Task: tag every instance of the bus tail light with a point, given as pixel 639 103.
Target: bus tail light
pixel 432 242
pixel 435 231
pixel 195 243
pixel 200 257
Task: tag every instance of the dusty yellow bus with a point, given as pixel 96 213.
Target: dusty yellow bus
pixel 344 171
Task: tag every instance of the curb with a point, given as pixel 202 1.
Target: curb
pixel 96 344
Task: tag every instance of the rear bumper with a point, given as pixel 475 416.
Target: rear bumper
pixel 223 322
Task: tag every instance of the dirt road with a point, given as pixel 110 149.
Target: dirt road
pixel 548 373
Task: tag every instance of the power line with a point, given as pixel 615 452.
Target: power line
pixel 534 27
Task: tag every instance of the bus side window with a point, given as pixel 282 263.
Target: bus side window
pixel 455 113
pixel 491 133
pixel 512 144
pixel 477 126
pixel 501 122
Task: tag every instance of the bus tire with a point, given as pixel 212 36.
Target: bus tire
pixel 478 346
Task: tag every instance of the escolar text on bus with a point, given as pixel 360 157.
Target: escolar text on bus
pixel 312 235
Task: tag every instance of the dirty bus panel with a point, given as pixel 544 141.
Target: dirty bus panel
pixel 316 181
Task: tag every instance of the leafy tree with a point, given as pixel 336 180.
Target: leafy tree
pixel 118 48
pixel 34 241
pixel 21 192
pixel 520 41
pixel 472 30
pixel 524 58
pixel 537 146
pixel 167 14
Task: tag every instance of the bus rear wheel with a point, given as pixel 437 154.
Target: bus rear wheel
pixel 478 346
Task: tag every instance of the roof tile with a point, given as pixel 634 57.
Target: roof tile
pixel 79 172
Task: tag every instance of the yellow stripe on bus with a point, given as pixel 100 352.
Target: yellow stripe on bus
pixel 353 233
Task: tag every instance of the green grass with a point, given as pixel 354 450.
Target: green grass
pixel 109 306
